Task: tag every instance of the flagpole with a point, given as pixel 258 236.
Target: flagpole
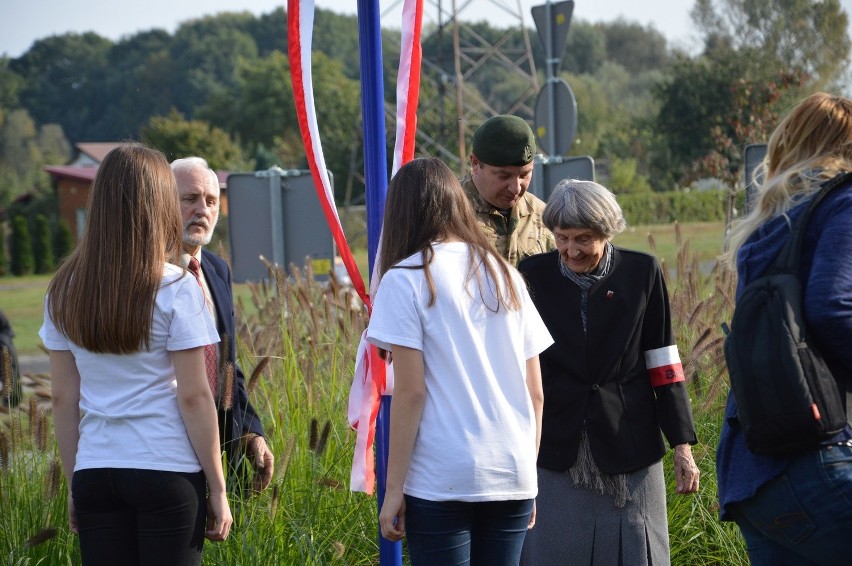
pixel 376 181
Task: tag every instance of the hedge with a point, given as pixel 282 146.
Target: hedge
pixel 680 206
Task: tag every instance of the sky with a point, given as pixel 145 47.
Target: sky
pixel 22 22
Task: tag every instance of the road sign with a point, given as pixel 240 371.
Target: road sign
pixel 556 117
pixel 547 171
pixel 276 214
pixel 754 154
pixel 554 37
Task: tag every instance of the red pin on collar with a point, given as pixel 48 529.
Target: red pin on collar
pixel 609 294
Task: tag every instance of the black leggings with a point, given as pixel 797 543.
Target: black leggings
pixel 140 517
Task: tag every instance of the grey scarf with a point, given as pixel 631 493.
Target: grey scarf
pixel 585 280
pixel 585 472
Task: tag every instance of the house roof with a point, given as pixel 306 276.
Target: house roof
pixel 87 174
pixel 72 172
pixel 97 150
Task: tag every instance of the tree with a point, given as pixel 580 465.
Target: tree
pixel 18 148
pixel 268 112
pixel 802 36
pixel 585 49
pixel 52 144
pixel 759 56
pixel 207 53
pixel 62 76
pixel 140 84
pixel 635 47
pixel 624 179
pixel 756 114
pixel 20 249
pixel 42 248
pixel 10 85
pixel 62 242
pixel 177 137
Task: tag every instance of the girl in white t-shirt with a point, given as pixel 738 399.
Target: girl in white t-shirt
pixel 132 409
pixel 466 413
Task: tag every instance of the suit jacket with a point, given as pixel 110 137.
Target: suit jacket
pixel 241 419
pixel 598 378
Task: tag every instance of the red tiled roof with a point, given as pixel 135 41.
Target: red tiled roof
pixel 98 150
pixel 88 173
pixel 77 173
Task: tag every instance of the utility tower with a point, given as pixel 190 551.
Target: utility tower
pixel 459 51
pixel 466 43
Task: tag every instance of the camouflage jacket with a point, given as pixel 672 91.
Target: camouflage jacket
pixel 517 236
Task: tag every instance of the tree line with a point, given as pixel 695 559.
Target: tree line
pixel 654 116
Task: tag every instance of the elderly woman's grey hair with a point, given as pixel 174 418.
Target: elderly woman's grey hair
pixel 584 204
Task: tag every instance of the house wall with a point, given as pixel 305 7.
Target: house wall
pixel 72 196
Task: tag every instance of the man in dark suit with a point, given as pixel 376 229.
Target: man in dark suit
pixel 240 429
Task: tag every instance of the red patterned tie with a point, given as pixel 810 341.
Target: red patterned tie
pixel 210 349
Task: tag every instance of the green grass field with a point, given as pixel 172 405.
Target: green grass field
pixel 22 300
pixel 21 297
pixel 705 239
pixel 297 342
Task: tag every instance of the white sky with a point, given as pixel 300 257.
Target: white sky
pixel 22 22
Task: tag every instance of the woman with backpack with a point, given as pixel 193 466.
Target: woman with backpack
pixel 796 508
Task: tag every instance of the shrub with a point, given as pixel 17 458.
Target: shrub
pixel 20 249
pixel 42 248
pixel 675 206
pixel 63 243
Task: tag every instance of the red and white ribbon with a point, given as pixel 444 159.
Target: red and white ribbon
pixel 664 367
pixel 373 377
pixel 300 26
pixel 408 83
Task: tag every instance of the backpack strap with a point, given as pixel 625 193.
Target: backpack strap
pixel 788 258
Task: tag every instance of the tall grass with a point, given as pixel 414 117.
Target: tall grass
pixel 33 496
pixel 699 303
pixel 297 348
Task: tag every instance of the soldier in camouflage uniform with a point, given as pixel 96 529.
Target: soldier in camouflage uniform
pixel 501 165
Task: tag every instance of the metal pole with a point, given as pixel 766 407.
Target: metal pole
pixel 459 93
pixel 276 206
pixel 550 81
pixel 375 175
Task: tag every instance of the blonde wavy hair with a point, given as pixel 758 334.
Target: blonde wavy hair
pixel 812 143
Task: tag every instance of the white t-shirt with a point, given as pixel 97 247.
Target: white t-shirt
pixel 128 403
pixel 476 440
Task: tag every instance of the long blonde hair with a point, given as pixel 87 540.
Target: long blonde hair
pixel 426 204
pixel 102 297
pixel 811 144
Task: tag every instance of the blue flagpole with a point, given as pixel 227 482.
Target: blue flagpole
pixel 376 180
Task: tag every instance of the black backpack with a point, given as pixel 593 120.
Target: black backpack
pixel 787 399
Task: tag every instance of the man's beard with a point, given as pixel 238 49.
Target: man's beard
pixel 198 239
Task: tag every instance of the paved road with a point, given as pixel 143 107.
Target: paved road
pixel 34 363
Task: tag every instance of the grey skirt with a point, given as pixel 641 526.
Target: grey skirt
pixel 576 526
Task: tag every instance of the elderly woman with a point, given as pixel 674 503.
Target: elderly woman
pixel 613 387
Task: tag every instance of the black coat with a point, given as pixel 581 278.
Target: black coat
pixel 241 419
pixel 600 377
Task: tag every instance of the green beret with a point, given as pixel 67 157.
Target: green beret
pixel 504 140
